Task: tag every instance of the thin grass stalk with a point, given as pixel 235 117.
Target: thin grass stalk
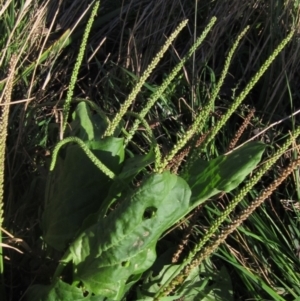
pixel 202 116
pixel 169 79
pixel 54 49
pixel 67 104
pixel 131 97
pixel 18 19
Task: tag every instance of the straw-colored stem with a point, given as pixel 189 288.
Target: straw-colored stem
pixel 4 113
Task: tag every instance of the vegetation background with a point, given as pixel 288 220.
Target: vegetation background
pixel 125 37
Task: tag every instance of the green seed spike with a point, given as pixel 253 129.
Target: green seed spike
pixel 87 151
pixel 201 118
pixel 203 115
pixel 168 286
pixel 234 224
pixel 169 79
pixel 248 88
pixel 152 137
pixel 66 108
pixel 131 97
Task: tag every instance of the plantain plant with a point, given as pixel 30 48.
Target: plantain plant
pixel 106 208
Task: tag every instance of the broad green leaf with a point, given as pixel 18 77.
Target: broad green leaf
pixel 223 173
pixel 59 291
pixel 153 282
pixel 131 168
pixel 76 188
pixel 123 243
pixel 216 287
pixel 239 164
pixel 85 125
pixel 212 285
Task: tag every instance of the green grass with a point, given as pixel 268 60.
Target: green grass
pixel 262 257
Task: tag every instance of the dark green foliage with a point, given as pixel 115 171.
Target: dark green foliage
pixel 112 250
